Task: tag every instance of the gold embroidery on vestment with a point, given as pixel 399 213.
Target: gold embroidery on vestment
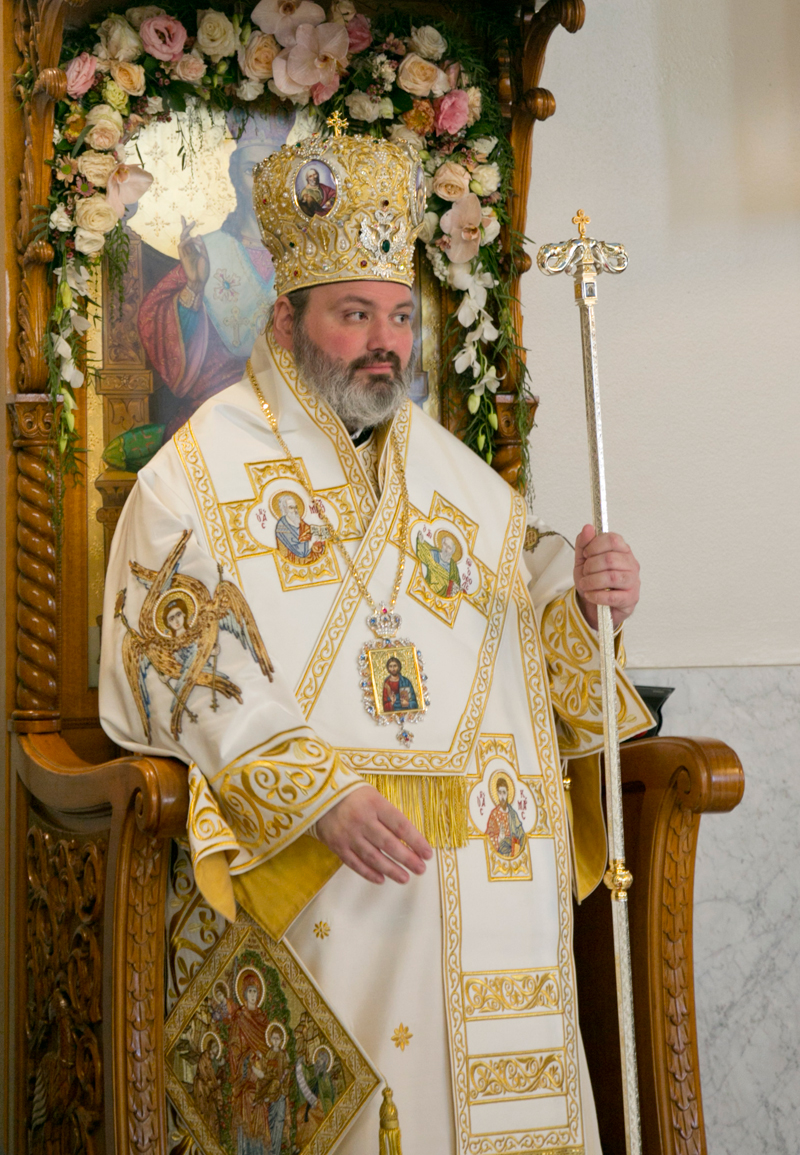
pixel 402 1037
pixel 496 995
pixel 504 1078
pixel 206 496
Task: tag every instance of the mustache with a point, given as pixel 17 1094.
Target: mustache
pixel 380 357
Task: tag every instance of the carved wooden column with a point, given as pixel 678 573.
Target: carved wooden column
pixel 521 65
pixel 37 606
pixel 37 33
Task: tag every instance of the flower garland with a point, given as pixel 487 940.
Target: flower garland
pixel 416 85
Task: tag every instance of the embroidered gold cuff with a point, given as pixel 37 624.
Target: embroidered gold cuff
pixel 257 806
pixel 573 664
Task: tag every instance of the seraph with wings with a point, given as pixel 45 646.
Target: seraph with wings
pixel 178 635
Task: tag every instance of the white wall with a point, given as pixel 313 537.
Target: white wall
pixel 677 131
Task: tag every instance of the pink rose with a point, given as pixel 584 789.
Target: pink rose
pixel 80 75
pixel 452 111
pixel 359 33
pixel 163 37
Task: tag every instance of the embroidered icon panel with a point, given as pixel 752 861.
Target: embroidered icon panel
pixel 446 570
pixel 281 519
pixel 180 633
pixel 255 1059
pixel 506 810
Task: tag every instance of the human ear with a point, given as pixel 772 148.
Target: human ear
pixel 283 323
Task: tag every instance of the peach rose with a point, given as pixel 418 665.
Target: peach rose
pixel 191 68
pixel 416 75
pixel 97 167
pixel 256 57
pixel 106 127
pixel 420 118
pixel 130 77
pixel 80 74
pixel 451 181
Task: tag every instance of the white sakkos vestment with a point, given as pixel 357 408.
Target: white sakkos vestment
pixel 460 985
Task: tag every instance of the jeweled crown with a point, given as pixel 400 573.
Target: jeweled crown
pixel 345 208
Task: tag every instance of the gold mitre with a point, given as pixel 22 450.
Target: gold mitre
pixel 347 208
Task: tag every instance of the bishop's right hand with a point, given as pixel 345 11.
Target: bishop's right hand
pixel 373 838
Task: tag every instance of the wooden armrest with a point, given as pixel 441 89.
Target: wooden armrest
pixel 64 783
pixel 709 773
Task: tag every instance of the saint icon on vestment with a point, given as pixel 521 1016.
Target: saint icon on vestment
pixel 179 626
pixel 440 562
pixel 298 541
pixel 504 828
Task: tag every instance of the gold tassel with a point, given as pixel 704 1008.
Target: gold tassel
pixel 389 1139
pixel 436 805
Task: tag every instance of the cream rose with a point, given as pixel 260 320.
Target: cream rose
pixel 474 106
pixel 216 36
pixel 96 214
pixel 130 77
pixel 363 107
pixel 430 223
pixel 106 127
pixel 97 167
pixel 248 89
pixel 118 41
pixel 191 68
pixel 451 181
pixel 485 180
pixel 427 42
pixel 416 75
pixel 61 220
pixel 89 242
pixel 137 16
pixel 255 57
pixel 402 135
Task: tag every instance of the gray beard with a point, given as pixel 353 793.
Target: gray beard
pixel 357 404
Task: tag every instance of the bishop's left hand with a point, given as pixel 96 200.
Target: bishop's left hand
pixel 606 574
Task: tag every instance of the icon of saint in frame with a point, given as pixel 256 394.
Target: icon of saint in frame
pixel 315 189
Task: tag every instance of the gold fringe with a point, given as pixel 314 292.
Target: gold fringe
pixel 389 1138
pixel 436 805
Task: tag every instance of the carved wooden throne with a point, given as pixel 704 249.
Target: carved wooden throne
pixel 88 834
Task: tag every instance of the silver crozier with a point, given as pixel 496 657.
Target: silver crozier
pixel 584 259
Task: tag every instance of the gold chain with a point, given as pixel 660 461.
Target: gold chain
pixel 319 509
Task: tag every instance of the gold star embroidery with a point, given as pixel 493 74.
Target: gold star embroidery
pixel 322 930
pixel 402 1037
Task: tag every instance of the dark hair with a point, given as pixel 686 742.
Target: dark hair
pixel 502 782
pixel 299 299
pixel 394 659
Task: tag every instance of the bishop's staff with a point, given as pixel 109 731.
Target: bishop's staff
pixel 584 259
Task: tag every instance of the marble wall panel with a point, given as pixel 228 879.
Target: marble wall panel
pixel 747 905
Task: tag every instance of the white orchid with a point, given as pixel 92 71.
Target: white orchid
pixel 468 358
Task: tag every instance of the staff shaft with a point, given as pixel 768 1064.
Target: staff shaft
pixel 584 259
pixel 608 684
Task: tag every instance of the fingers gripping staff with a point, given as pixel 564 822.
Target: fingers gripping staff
pixel 178 637
pixel 584 259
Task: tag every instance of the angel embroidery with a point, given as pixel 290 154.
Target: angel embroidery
pixel 178 636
